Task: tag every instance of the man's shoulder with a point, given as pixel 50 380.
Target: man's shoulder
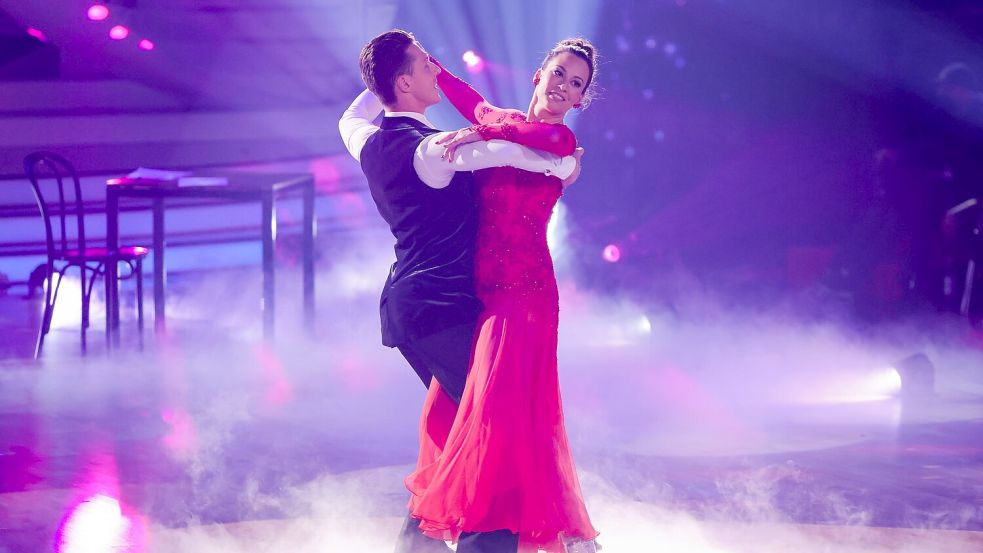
pixel 397 134
pixel 387 146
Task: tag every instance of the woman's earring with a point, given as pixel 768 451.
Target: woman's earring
pixel 535 80
pixel 578 105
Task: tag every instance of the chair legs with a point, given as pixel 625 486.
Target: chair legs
pixel 139 271
pixel 52 286
pixel 85 304
pixel 54 299
pixel 48 308
pixel 87 299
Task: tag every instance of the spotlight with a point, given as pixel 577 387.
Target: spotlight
pixel 917 374
pixel 611 253
pixel 884 382
pixel 119 32
pixel 473 61
pixel 145 45
pixel 97 12
pixel 36 33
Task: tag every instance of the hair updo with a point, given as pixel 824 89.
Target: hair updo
pixel 583 49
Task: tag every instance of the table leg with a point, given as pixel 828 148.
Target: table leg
pixel 112 244
pixel 160 274
pixel 269 231
pixel 309 231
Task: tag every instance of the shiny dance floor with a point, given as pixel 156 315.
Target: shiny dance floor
pixel 690 436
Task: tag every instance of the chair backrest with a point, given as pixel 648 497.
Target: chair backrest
pixel 52 173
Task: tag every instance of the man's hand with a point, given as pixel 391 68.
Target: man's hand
pixel 577 154
pixel 458 138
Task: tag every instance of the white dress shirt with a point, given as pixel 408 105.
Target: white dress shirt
pixel 356 127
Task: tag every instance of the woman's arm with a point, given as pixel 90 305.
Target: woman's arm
pixel 468 101
pixel 555 139
pixel 495 123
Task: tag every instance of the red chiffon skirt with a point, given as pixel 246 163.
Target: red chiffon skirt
pixel 502 459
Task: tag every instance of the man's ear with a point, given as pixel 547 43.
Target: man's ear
pixel 403 83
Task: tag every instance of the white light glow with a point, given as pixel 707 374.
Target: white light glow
pixel 556 229
pixel 96 525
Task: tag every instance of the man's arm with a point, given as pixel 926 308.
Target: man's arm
pixel 578 155
pixel 356 125
pixel 437 172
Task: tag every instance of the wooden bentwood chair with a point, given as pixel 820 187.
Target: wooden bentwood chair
pixel 53 173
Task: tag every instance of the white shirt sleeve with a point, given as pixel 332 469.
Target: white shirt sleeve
pixel 356 125
pixel 437 172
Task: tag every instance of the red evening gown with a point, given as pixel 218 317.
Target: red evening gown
pixel 503 461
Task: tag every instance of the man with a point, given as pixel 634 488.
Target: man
pixel 959 159
pixel 428 306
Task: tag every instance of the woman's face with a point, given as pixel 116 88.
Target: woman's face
pixel 561 83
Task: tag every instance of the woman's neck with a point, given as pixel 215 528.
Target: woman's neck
pixel 537 114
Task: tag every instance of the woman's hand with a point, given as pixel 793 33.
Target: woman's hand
pixel 577 154
pixel 452 141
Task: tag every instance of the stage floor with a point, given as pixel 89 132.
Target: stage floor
pixel 690 436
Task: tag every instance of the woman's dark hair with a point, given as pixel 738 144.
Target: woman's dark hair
pixel 382 60
pixel 583 49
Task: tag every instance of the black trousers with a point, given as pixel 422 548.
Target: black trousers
pixel 446 355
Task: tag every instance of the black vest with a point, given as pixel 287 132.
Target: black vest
pixel 431 285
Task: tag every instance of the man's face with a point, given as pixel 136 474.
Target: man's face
pixel 423 77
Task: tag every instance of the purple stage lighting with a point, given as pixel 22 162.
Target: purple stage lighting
pixel 145 45
pixel 119 32
pixel 473 61
pixel 611 253
pixel 97 12
pixel 36 33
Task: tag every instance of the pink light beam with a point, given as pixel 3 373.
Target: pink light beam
pixel 611 253
pixel 97 12
pixel 36 33
pixel 119 32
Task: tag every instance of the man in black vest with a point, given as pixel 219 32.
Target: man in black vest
pixel 428 306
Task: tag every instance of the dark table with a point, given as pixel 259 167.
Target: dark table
pixel 262 188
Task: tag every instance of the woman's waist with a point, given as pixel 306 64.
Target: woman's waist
pixel 508 275
pixel 542 293
pixel 515 263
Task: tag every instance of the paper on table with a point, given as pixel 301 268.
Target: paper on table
pixel 157 174
pixel 202 181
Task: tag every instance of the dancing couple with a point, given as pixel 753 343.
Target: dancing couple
pixel 471 301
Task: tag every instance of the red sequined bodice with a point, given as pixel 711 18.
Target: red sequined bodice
pixel 512 260
pixel 512 254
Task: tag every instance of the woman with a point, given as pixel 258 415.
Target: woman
pixel 506 462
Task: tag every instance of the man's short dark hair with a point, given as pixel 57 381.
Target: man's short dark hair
pixel 383 59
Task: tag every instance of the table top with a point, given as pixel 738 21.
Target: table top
pixel 243 185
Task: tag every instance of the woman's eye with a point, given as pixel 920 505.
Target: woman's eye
pixel 557 72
